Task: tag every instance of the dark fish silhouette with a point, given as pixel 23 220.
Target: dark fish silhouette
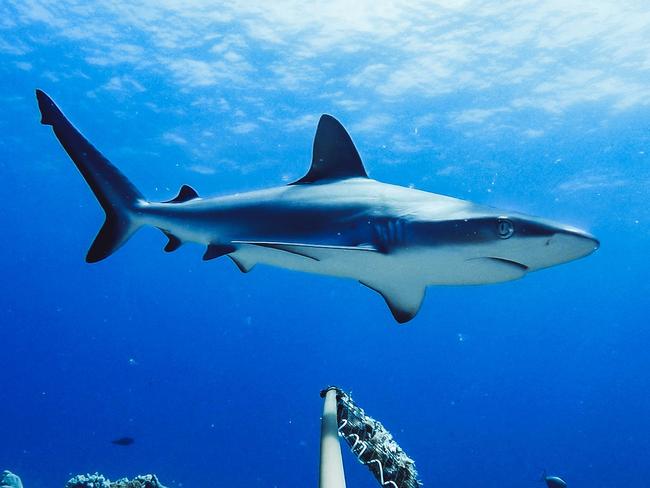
pixel 123 441
pixel 554 482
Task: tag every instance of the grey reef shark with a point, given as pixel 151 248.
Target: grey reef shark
pixel 335 221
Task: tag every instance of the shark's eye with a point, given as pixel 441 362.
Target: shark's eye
pixel 505 228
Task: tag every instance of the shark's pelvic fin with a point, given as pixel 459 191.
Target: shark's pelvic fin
pixel 403 299
pixel 185 194
pixel 217 250
pixel 334 156
pixel 115 193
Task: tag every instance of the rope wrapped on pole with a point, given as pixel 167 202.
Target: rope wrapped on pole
pixel 373 445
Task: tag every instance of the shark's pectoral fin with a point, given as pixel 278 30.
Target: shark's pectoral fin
pixel 290 248
pixel 217 250
pixel 403 299
pixel 243 264
pixel 316 252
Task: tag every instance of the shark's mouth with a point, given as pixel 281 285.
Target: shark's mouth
pixel 509 262
pixel 492 269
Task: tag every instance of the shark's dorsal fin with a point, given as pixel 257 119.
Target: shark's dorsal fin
pixel 334 156
pixel 185 194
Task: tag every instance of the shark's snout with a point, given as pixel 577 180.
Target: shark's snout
pixel 538 243
pixel 561 246
pixel 574 243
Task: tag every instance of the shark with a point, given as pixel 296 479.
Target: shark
pixel 334 221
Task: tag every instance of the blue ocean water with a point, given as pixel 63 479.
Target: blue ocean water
pixel 536 107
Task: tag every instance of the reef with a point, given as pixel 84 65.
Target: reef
pixel 99 481
pixel 10 480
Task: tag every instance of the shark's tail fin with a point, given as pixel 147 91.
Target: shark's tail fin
pixel 116 194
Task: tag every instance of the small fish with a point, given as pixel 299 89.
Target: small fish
pixel 123 441
pixel 554 482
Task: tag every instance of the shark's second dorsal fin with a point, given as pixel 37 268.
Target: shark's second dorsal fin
pixel 334 156
pixel 185 194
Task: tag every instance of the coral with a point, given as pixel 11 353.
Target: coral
pixel 88 481
pixel 10 480
pixel 98 481
pixel 143 481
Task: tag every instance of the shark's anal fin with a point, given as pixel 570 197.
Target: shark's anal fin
pixel 217 250
pixel 185 194
pixel 334 156
pixel 403 299
pixel 242 264
pixel 174 242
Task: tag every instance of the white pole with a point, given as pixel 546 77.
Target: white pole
pixel 331 463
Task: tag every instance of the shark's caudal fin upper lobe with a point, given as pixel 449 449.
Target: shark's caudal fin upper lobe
pixel 116 194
